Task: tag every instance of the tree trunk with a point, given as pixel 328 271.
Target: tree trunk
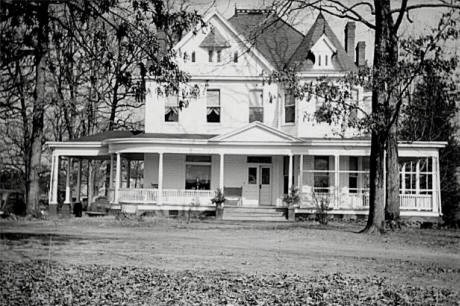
pixel 36 138
pixel 383 59
pixel 376 219
pixel 392 207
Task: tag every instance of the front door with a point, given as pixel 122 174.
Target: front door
pixel 258 189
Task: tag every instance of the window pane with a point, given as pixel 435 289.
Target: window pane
pixel 213 114
pixel 171 114
pixel 366 163
pixel 289 114
pixel 256 114
pixel 289 99
pixel 321 182
pixel 265 176
pixel 321 162
pixel 353 183
pixel 213 97
pixel 172 100
pixel 259 159
pixel 198 177
pixel 256 98
pixel 353 163
pixel 198 158
pixel 252 175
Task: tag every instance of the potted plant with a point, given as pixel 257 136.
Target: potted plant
pixel 219 200
pixel 292 200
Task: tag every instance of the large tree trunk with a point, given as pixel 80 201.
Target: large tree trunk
pixel 376 219
pixel 383 63
pixel 392 207
pixel 33 191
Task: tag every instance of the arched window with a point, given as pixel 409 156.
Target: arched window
pixel 193 57
pixel 319 60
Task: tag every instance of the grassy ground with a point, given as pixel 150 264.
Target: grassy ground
pixel 225 263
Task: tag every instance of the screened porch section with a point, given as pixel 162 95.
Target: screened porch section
pixel 342 183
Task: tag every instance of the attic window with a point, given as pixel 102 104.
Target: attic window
pixel 210 55
pixel 219 53
pixel 235 57
pixel 185 57
pixel 325 60
pixel 193 57
pixel 319 60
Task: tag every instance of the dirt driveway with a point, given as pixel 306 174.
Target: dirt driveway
pixel 424 258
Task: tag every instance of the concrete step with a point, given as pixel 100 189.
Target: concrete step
pixel 258 213
pixel 255 218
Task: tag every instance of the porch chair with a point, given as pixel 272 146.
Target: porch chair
pixel 233 196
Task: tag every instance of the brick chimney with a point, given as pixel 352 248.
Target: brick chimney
pixel 350 39
pixel 361 53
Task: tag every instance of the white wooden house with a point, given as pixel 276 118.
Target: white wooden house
pixel 250 138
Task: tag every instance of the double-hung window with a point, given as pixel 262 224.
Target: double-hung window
pixel 289 108
pixel 256 106
pixel 172 109
pixel 213 109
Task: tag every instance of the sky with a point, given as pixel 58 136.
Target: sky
pixel 424 20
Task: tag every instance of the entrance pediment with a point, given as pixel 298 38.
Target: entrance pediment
pixel 254 133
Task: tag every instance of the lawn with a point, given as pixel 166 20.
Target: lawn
pixel 167 262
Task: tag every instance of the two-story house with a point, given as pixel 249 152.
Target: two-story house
pixel 250 138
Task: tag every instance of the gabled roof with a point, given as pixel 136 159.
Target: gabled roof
pixel 342 61
pixel 256 132
pixel 238 33
pixel 268 33
pixel 214 39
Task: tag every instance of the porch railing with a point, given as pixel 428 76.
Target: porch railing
pixel 360 200
pixel 169 196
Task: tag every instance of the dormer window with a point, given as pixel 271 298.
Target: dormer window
pixel 323 51
pixel 214 42
pixel 210 55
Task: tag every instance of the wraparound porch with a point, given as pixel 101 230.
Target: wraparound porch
pixel 187 172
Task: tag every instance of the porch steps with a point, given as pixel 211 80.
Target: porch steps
pixel 257 213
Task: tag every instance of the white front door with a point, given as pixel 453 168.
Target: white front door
pixel 257 190
pixel 265 185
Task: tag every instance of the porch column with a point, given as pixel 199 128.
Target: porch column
pixel 128 173
pixel 89 184
pixel 221 173
pixel 78 182
pixel 336 179
pixel 50 192
pixel 117 178
pixel 385 181
pixel 300 172
pixel 68 191
pixel 160 178
pixel 111 172
pixel 54 177
pixel 290 173
pixel 436 185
